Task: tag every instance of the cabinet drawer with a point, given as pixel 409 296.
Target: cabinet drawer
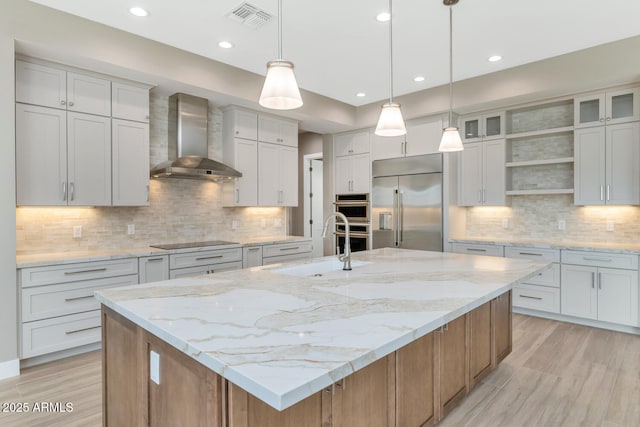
pixel 537 298
pixel 285 258
pixel 67 298
pixel 286 249
pixel 204 258
pixel 77 271
pixel 60 333
pixel 600 259
pixel 478 249
pixel 548 277
pixel 204 269
pixel 551 255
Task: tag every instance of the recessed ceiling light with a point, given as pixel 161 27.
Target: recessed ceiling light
pixel 138 11
pixel 361 94
pixel 383 17
pixel 495 58
pixel 225 44
pixel 418 79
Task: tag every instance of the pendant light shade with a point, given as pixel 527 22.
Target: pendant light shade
pixel 390 122
pixel 280 90
pixel 451 140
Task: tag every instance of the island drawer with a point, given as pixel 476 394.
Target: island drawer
pixel 547 277
pixel 478 249
pixel 204 258
pixel 543 254
pixel 61 273
pixel 286 249
pixel 42 302
pixel 534 297
pixel 60 333
pixel 600 259
pixel 205 269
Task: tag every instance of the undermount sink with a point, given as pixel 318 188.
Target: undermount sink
pixel 317 269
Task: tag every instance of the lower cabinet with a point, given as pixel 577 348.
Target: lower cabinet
pixel 188 264
pixel 417 385
pixel 153 268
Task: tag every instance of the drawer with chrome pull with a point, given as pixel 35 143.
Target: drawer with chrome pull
pixel 60 333
pixel 42 302
pixel 534 297
pixel 548 277
pixel 600 259
pixel 286 249
pixel 542 254
pixel 200 258
pixel 73 272
pixel 478 249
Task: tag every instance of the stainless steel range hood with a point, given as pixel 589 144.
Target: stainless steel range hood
pixel 188 143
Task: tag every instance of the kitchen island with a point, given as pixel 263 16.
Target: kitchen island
pixel 399 340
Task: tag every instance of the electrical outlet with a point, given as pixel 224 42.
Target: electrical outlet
pixel 77 231
pixel 561 224
pixel 154 367
pixel 234 225
pixel 277 223
pixel 505 223
pixel 131 229
pixel 610 225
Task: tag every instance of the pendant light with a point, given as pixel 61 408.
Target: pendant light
pixel 280 90
pixel 390 122
pixel 450 136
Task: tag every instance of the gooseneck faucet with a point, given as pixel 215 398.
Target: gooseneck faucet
pixel 346 257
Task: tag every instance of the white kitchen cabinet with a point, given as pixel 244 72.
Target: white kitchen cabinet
pixel 87 94
pixel 130 168
pixel 277 175
pixel 482 179
pixel 277 131
pixel 239 123
pixel 597 291
pixel 348 144
pixel 41 156
pixel 242 155
pixel 153 268
pixel 251 256
pixel 129 102
pixel 387 147
pixel 541 292
pixel 353 174
pixel 422 137
pixel 282 252
pixel 482 127
pixel 41 85
pixel 613 107
pixel 187 264
pixel 607 165
pixel 204 269
pixel 478 249
pixel 88 160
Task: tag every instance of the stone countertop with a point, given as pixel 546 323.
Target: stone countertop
pixel 283 338
pixel 629 248
pixel 24 260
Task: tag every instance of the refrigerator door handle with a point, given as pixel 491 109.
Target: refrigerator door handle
pixel 400 219
pixel 396 223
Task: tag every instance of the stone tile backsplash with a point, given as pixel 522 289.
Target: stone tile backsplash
pixel 180 210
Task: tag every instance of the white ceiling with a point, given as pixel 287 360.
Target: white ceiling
pixel 339 49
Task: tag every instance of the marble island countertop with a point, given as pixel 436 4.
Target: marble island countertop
pixel 283 335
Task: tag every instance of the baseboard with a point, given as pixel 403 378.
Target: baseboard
pixel 10 368
pixel 578 320
pixel 63 354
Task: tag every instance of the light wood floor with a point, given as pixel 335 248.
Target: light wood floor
pixel 558 374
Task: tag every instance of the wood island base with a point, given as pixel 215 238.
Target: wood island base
pixel 417 385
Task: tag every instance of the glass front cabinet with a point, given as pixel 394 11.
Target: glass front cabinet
pixel 619 106
pixel 482 127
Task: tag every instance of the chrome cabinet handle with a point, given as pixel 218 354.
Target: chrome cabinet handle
pixel 62 102
pixel 208 257
pixel 608 192
pixel 64 191
pixel 290 249
pixel 95 270
pixel 597 259
pixel 530 253
pixel 476 250
pixel 72 190
pixel 484 195
pixel 599 280
pixel 237 195
pixel 593 280
pixel 70 104
pixel 78 298
pixel 82 330
pixel 254 249
pixel 530 297
pixel 154 259
pixel 602 192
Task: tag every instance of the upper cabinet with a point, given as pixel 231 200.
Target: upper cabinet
pixel 129 102
pixel 607 108
pixel 482 174
pixel 348 144
pixel 352 162
pixel 482 127
pixel 240 124
pixel 422 137
pixel 130 163
pixel 277 131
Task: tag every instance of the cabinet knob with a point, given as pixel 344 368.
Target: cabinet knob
pixel 601 119
pixel 71 104
pixel 146 117
pixel 62 102
pixel 608 118
pixel 237 132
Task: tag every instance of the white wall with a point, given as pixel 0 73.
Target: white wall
pixel 308 143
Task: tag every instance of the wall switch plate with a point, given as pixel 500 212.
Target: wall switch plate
pixel 77 231
pixel 561 224
pixel 610 225
pixel 505 223
pixel 234 225
pixel 277 223
pixel 154 367
pixel 131 229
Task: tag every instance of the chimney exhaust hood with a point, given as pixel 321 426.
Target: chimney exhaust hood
pixel 188 143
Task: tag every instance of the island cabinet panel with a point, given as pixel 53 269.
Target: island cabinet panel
pixel 480 343
pixel 245 410
pixel 453 366
pixel 414 379
pixel 502 319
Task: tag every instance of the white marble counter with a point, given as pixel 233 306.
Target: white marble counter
pixel 283 338
pixel 24 260
pixel 628 248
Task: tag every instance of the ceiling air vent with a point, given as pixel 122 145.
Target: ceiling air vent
pixel 250 16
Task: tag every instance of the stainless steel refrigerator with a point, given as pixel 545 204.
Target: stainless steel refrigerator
pixel 406 203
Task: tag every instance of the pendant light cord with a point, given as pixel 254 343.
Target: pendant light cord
pixel 450 65
pixel 279 29
pixel 390 51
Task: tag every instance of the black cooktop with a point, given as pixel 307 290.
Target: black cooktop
pixel 188 245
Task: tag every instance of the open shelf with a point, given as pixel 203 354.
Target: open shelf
pixel 542 132
pixel 539 162
pixel 539 191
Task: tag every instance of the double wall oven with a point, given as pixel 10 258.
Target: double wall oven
pixel 357 209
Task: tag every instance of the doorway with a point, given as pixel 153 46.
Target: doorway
pixel 313 202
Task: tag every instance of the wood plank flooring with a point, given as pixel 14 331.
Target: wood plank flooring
pixel 559 374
